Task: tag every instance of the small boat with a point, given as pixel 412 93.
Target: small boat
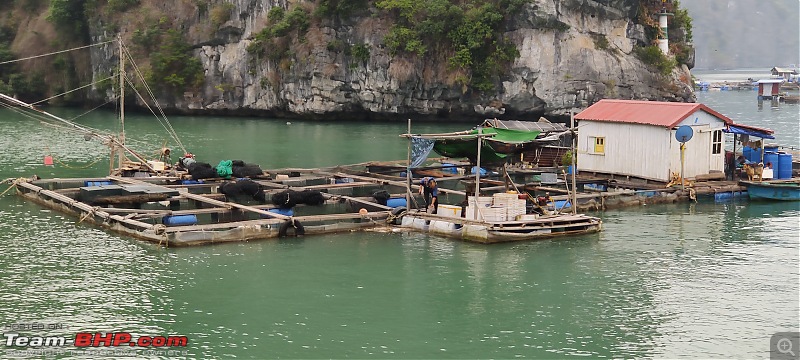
pixel 774 190
pixel 792 99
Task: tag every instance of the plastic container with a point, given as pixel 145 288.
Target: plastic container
pixel 157 165
pixel 484 172
pixel 494 214
pixel 449 168
pixel 747 152
pixel 772 157
pixel 784 168
pixel 453 211
pixel 285 212
pixel 177 220
pixel 772 148
pixel 97 183
pixel 755 156
pixel 191 182
pixel 395 202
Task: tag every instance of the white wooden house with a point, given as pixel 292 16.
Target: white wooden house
pixel 768 88
pixel 637 138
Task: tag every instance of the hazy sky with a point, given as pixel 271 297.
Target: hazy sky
pixel 745 33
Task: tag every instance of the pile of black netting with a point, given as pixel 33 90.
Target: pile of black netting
pixel 290 198
pixel 201 170
pixel 381 196
pixel 242 170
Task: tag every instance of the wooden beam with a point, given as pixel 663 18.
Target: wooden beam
pixel 68 201
pixel 218 203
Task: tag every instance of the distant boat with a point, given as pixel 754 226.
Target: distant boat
pixel 793 99
pixel 774 190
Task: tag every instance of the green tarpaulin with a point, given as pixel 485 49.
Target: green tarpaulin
pixel 495 148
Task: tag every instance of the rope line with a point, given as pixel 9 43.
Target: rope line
pixel 171 130
pixel 47 148
pixel 54 53
pixel 73 90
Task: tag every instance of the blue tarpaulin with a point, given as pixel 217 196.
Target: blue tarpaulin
pixel 733 129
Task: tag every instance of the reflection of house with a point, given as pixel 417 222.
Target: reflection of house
pixel 637 138
pixel 769 88
pixel 786 74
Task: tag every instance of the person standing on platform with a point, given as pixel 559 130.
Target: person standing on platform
pixel 430 192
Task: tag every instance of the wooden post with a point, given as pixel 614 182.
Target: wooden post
pixel 574 161
pixel 683 151
pixel 478 172
pixel 408 169
pixel 121 153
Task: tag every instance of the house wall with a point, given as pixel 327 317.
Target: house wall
pixel 630 149
pixel 699 157
pixel 650 151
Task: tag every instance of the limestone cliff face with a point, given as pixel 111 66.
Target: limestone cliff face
pixel 561 69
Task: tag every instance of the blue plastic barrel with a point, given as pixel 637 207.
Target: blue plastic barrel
pixel 772 157
pixel 784 168
pixel 773 148
pixel 191 182
pixel 97 183
pixel 175 220
pixel 755 156
pixel 395 202
pixel 747 152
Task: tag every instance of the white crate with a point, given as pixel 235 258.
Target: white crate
pixel 449 211
pixel 527 217
pixel 494 214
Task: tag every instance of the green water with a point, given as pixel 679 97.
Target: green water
pixel 686 280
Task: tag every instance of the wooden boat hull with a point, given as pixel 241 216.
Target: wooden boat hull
pixel 789 191
pixel 487 232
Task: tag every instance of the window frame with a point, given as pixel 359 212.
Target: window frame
pixel 593 145
pixel 717 140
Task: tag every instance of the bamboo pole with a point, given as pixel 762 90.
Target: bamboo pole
pixel 478 173
pixel 574 161
pixel 408 169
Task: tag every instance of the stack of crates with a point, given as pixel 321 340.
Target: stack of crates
pixel 482 203
pixel 512 203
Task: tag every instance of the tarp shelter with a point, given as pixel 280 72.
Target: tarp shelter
pixel 498 142
pixel 749 130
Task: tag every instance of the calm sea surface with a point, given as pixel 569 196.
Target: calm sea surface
pixel 706 280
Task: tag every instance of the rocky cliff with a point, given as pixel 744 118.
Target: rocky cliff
pixel 571 53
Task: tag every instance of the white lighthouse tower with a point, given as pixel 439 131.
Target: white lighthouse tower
pixel 663 38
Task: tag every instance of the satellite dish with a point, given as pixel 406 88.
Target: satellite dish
pixel 684 133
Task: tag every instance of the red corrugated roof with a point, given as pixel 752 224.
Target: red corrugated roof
pixel 666 114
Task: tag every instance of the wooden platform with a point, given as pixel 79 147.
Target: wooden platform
pixel 137 207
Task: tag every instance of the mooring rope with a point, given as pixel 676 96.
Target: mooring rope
pixel 74 167
pixel 13 183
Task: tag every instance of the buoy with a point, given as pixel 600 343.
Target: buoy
pixel 48 160
pixel 363 211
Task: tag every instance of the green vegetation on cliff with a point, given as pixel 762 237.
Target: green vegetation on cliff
pixel 472 31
